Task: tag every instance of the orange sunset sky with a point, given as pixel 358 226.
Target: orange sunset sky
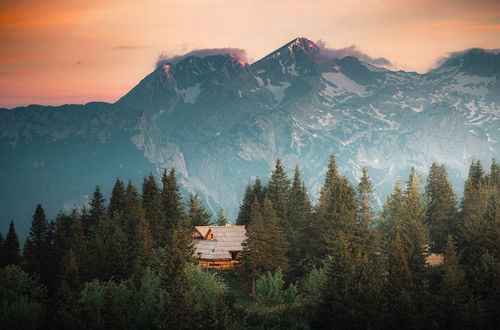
pixel 73 51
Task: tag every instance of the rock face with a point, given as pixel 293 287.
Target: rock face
pixel 221 122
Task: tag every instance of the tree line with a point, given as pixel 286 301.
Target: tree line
pixel 335 263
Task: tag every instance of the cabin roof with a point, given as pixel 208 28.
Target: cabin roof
pixel 202 230
pixel 226 239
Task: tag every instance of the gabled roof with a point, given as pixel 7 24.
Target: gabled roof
pixel 202 230
pixel 226 239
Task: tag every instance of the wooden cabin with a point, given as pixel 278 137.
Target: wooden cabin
pixel 218 247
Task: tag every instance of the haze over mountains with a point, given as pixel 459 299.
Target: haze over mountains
pixel 220 122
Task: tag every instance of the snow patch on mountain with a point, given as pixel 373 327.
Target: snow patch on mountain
pixel 278 91
pixel 343 82
pixel 190 94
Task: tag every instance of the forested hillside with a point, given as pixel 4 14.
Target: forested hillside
pixel 126 260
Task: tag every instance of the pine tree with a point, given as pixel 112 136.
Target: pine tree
pixel 197 213
pixel 299 214
pixel 277 248
pixel 96 211
pixel 65 314
pixel 172 206
pixel 253 255
pixel 399 288
pixel 365 200
pixel 175 282
pixel 351 298
pixel 117 200
pixel 416 234
pixel 259 191
pixel 222 219
pixel 278 191
pixel 246 207
pixel 35 248
pixel 332 175
pixel 10 255
pixel 111 251
pixel 442 211
pixel 337 212
pixel 472 207
pixel 137 232
pixel 454 287
pixel 68 235
pixel 152 204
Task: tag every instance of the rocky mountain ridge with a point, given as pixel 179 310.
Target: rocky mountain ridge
pixel 221 122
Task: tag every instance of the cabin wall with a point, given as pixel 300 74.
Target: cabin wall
pixel 219 263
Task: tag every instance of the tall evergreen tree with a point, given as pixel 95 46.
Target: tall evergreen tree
pixel 416 239
pixel 11 252
pixel 137 231
pixel 259 191
pixel 454 290
pixel 365 199
pixel 399 288
pixel 222 219
pixel 65 314
pixel 96 211
pixel 253 255
pixel 111 251
pixel 175 282
pixel 68 235
pixel 441 211
pixel 352 297
pixel 244 214
pixel 472 207
pixel 277 249
pixel 198 214
pixel 117 199
pixel 278 191
pixel 152 204
pixel 172 206
pixel 35 249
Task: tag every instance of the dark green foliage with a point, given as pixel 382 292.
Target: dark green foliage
pixel 153 209
pixel 35 248
pixel 454 290
pixel 111 251
pixel 352 295
pixel 271 291
pixel 137 232
pixel 66 312
pixel 150 302
pixel 365 199
pixel 22 299
pixel 336 212
pixel 10 254
pixel 117 199
pixel 244 214
pixel 133 268
pixel 253 255
pixel 278 192
pixel 172 207
pixel 175 282
pixel 299 218
pixel 222 219
pixel 208 297
pixel 441 211
pixel 96 211
pixel 198 215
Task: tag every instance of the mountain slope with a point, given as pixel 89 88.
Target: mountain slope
pixel 220 122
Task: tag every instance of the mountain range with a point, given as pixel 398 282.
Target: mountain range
pixel 222 122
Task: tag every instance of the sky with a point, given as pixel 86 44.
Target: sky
pixel 76 51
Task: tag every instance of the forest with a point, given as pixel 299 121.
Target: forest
pixel 126 262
